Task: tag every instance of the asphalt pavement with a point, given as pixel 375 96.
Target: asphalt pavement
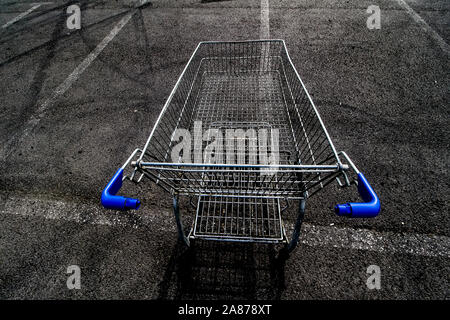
pixel 76 103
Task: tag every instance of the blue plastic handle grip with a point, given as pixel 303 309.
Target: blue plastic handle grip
pixel 368 209
pixel 111 201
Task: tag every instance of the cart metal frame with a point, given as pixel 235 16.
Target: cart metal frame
pixel 241 86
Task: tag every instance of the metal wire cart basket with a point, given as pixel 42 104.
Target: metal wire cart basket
pixel 239 132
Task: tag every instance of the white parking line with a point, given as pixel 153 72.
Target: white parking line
pixel 311 235
pixel 63 87
pixel 383 242
pixel 264 32
pixel 21 16
pixel 418 19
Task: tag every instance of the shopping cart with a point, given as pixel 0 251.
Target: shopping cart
pixel 239 133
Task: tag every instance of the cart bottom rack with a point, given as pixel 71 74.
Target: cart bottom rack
pixel 240 132
pixel 238 219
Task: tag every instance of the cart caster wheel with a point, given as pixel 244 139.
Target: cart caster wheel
pixel 278 267
pixel 184 242
pixel 192 243
pixel 283 254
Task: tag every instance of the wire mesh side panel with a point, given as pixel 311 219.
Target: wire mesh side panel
pixel 238 85
pixel 313 146
pixel 176 113
pixel 309 135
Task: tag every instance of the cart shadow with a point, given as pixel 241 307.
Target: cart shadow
pixel 223 270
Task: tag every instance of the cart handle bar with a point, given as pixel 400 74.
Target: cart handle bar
pixel 367 209
pixel 111 201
